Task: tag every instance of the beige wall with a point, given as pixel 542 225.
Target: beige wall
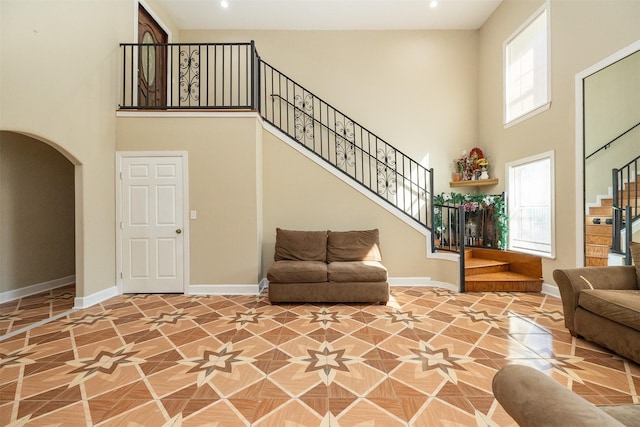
pixel 300 195
pixel 59 83
pixel 582 33
pixel 36 213
pixel 224 189
pixel 612 106
pixel 415 89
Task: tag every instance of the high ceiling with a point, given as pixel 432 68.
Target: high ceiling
pixel 329 14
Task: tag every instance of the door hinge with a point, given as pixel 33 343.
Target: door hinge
pixel 121 226
pixel 121 275
pixel 120 176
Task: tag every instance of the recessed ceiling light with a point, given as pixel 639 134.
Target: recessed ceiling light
pixel 433 4
pixel 224 4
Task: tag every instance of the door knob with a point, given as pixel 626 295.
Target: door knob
pixel 178 231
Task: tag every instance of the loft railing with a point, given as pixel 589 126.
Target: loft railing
pixel 233 76
pixel 626 205
pixel 189 76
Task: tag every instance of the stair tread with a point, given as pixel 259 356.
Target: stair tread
pixel 482 262
pixel 503 276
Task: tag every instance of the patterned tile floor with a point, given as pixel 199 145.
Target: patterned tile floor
pixel 23 312
pixel 425 359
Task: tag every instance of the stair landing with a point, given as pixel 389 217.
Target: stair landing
pixel 488 270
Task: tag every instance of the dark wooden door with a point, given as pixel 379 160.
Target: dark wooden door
pixel 152 62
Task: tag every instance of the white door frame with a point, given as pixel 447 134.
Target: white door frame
pixel 579 120
pixel 120 155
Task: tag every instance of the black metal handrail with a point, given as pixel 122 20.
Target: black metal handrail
pixel 232 76
pixel 626 203
pixel 608 144
pixel 481 225
pixel 348 146
pixel 190 76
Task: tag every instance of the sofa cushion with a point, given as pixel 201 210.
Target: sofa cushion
pixel 296 245
pixel 621 306
pixel 361 245
pixel 297 272
pixel 357 271
pixel 635 254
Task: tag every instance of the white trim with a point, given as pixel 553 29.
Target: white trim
pixel 546 7
pixel 579 142
pixel 96 298
pixel 226 289
pixel 528 115
pixel 185 214
pixel 187 113
pixel 552 290
pixel 14 294
pixel 410 281
pixel 552 183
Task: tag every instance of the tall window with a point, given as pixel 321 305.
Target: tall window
pixel 527 74
pixel 531 205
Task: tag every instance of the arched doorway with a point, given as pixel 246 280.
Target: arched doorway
pixel 37 225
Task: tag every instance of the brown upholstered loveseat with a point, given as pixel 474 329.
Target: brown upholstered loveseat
pixel 533 399
pixel 328 266
pixel 602 304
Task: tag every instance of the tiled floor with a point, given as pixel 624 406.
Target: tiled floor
pixel 23 312
pixel 425 359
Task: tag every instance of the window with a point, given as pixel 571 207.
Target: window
pixel 530 205
pixel 527 74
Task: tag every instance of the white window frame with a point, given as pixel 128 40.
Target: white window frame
pixel 537 108
pixel 512 203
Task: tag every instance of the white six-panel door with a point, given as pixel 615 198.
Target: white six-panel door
pixel 152 224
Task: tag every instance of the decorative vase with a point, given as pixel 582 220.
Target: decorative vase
pixel 456 177
pixel 484 174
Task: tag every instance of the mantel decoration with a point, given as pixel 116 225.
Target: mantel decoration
pixel 486 222
pixel 471 166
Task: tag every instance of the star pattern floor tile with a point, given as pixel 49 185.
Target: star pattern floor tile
pixel 427 358
pixel 23 312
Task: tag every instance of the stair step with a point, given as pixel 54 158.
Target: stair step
pixel 507 281
pixel 604 211
pixel 598 239
pixel 598 230
pixel 475 266
pixel 597 251
pixel 596 262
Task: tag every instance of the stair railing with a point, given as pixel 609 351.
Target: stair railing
pixel 232 76
pixel 626 209
pixel 482 224
pixel 346 145
pixel 608 144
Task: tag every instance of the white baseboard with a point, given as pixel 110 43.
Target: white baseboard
pixel 550 290
pixel 410 281
pixel 96 298
pixel 222 289
pixel 14 294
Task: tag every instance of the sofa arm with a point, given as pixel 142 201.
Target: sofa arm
pixel 571 281
pixel 533 399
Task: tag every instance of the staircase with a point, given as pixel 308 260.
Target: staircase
pixel 488 270
pixel 599 228
pixel 598 233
